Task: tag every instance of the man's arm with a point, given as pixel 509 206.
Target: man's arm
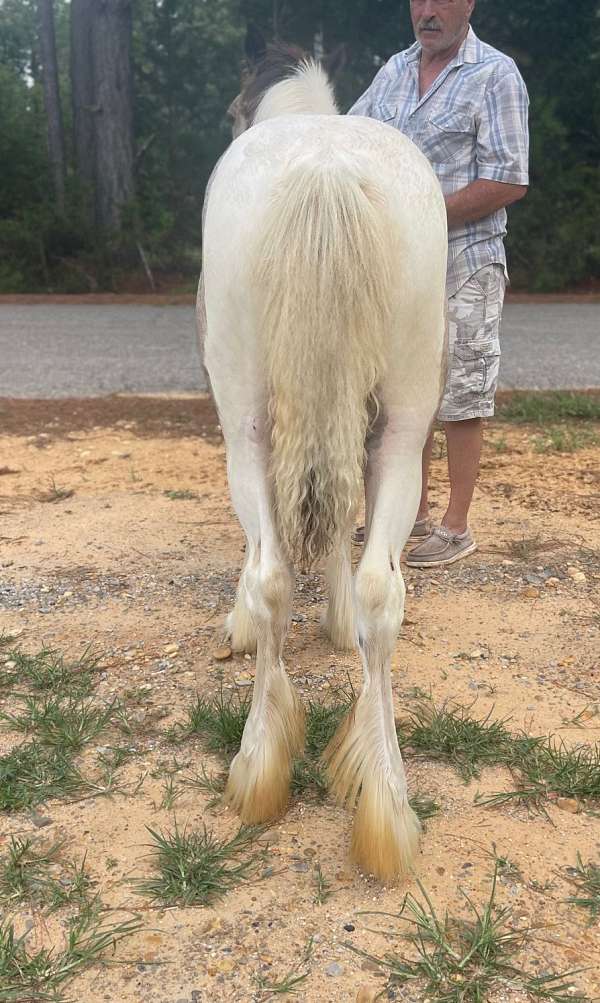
pixel 479 199
pixel 502 151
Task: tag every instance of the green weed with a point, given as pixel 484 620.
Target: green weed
pixel 196 868
pixel 48 671
pixel 466 960
pixel 63 723
pixel 32 773
pixel 586 878
pixel 181 495
pixel 29 977
pixel 563 439
pixel 451 734
pixel 54 493
pixel 322 887
pixel 219 722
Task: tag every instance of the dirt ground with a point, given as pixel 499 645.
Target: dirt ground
pixel 146 578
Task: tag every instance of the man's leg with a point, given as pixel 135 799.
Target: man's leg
pixel 464 439
pixel 474 352
pixel 423 512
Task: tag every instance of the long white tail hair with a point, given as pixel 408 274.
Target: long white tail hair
pixel 323 281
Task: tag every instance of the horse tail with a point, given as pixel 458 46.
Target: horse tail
pixel 323 280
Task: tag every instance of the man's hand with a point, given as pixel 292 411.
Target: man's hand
pixel 480 199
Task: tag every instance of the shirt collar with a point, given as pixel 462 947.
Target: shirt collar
pixel 469 52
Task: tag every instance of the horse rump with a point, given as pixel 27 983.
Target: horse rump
pixel 322 278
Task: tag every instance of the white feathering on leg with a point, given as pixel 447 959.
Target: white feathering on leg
pixel 240 631
pixel 362 765
pixel 259 776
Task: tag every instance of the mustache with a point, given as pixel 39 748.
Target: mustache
pixel 428 22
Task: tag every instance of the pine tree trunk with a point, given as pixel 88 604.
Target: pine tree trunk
pixel 82 90
pixel 56 139
pixel 111 45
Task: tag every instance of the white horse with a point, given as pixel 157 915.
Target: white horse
pixel 324 272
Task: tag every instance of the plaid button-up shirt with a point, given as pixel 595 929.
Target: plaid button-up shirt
pixel 472 123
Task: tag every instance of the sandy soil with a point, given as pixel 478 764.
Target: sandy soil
pixel 146 579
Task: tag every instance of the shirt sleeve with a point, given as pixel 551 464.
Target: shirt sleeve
pixel 367 101
pixel 503 132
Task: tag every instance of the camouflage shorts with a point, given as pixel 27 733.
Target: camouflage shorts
pixel 474 314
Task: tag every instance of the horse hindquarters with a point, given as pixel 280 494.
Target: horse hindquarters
pixel 323 287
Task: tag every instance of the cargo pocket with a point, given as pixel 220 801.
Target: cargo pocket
pixel 474 363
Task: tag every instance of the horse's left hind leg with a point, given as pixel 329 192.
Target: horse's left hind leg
pixel 259 776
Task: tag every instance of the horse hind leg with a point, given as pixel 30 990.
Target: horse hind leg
pixel 339 618
pixel 240 630
pixel 363 759
pixel 259 776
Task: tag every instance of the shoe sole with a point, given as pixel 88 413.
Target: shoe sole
pixel 448 560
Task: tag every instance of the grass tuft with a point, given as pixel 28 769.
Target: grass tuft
pixel 323 890
pixel 31 774
pixel 563 439
pixel 289 985
pixel 219 722
pixel 196 868
pixel 586 878
pixel 30 977
pixel 47 671
pixel 466 960
pixel 54 493
pixel 29 874
pixel 526 547
pixel 63 723
pixel 450 733
pixel 181 495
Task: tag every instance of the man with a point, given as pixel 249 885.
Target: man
pixel 465 106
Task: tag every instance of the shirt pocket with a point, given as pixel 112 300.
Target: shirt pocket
pixel 384 112
pixel 448 137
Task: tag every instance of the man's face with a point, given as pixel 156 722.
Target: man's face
pixel 440 25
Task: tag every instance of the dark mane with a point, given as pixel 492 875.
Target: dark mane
pixel 278 63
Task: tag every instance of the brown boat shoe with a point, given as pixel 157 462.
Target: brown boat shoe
pixel 420 531
pixel 442 546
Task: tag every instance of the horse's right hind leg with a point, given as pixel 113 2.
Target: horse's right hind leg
pixel 339 619
pixel 240 629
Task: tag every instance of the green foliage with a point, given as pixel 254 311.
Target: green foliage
pixel 28 976
pixel 196 868
pixel 467 959
pixel 186 62
pixel 545 408
pixel 586 878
